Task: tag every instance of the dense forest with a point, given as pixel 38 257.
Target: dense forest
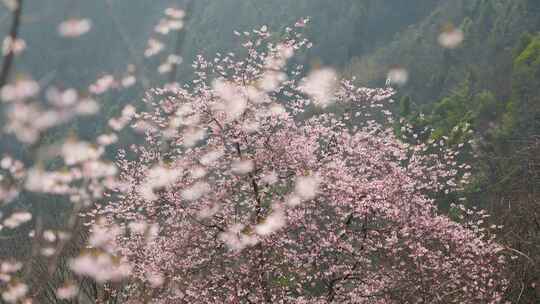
pixel 228 164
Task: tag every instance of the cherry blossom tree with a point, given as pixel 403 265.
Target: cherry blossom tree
pixel 259 183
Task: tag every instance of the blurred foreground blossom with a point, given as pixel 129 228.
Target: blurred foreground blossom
pixel 451 37
pixel 233 103
pixel 171 61
pixel 13 46
pixel 67 291
pixel 102 85
pixel 49 182
pixel 17 219
pixel 275 221
pixel 397 76
pixel 175 13
pixel 128 112
pixel 14 292
pixel 306 187
pixel 101 267
pixel 62 98
pixel 236 239
pixel 10 4
pixel 154 47
pixel 172 21
pixel 167 25
pixel 320 85
pixel 10 267
pixel 196 191
pixel 74 27
pixel 21 89
pixel 155 279
pixel 242 167
pixel 156 178
pixel 75 152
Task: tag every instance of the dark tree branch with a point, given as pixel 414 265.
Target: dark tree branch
pixel 13 34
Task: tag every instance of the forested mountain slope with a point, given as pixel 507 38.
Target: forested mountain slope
pixel 491 28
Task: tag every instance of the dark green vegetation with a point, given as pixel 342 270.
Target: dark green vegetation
pixel 485 94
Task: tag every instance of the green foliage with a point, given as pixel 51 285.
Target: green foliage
pixel 491 29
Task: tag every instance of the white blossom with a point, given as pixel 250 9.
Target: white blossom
pixel 74 27
pixel 196 191
pixel 20 90
pixel 451 38
pixel 398 76
pixel 154 47
pixel 320 85
pixel 274 222
pixel 101 267
pixel 67 291
pixel 242 167
pixel 211 157
pixel 307 187
pixel 14 292
pixel 15 46
pixel 17 218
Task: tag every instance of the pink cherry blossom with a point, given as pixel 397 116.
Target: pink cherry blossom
pixel 256 205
